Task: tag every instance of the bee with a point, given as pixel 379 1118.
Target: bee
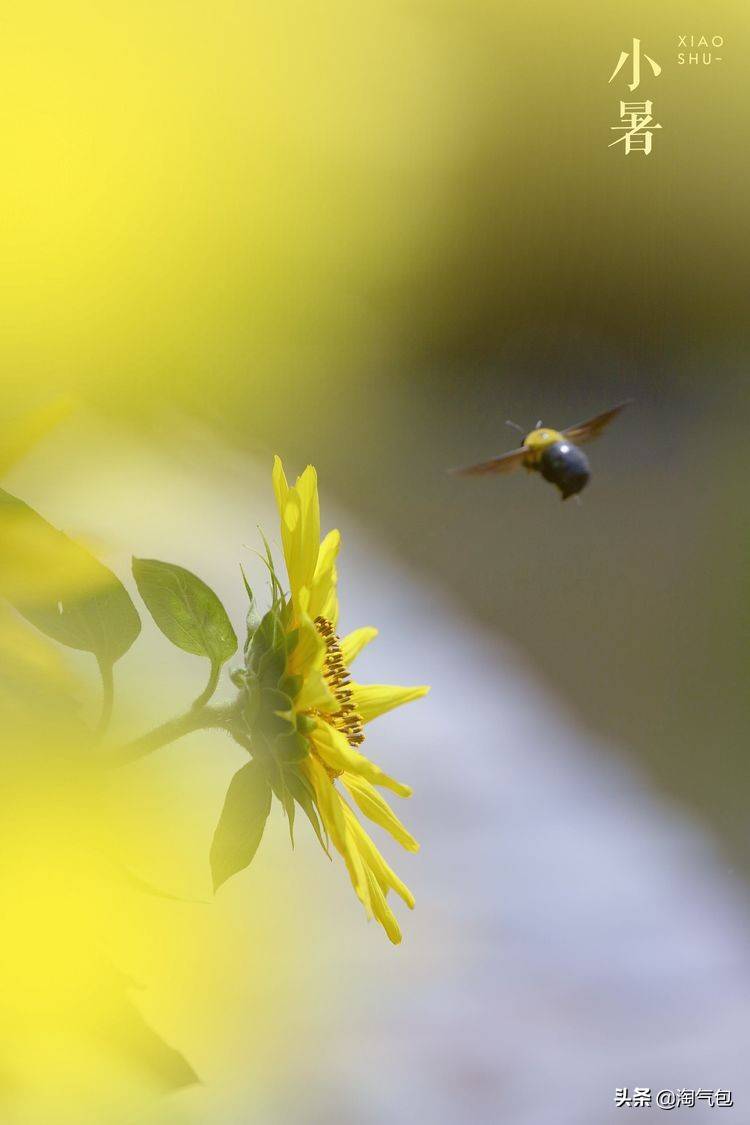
pixel 553 453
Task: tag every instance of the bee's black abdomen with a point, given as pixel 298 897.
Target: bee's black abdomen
pixel 566 466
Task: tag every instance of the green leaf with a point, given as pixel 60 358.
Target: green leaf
pixel 186 610
pixel 60 588
pixel 241 824
pixel 125 1033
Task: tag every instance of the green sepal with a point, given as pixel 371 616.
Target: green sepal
pixel 305 724
pixel 277 593
pixel 281 790
pixel 286 612
pixel 252 618
pixel 249 701
pixel 290 748
pixel 277 701
pixel 271 666
pixel 291 685
pixel 304 795
pixel 267 656
pixel 269 635
pixel 287 801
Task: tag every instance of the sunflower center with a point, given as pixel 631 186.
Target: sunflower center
pixel 347 719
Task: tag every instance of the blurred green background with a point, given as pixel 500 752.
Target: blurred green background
pixel 366 235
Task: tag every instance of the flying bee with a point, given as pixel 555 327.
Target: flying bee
pixel 553 453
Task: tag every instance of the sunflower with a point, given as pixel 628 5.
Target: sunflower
pixel 305 717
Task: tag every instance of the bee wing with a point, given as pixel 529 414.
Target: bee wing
pixel 586 431
pixel 505 463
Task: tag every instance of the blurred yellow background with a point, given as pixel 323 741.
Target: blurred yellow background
pixel 212 195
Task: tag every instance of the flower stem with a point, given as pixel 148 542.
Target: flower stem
pixel 205 718
pixel 210 688
pixel 108 696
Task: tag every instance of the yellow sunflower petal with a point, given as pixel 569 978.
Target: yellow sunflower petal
pixel 315 694
pixel 331 808
pixel 291 542
pixel 372 700
pixel 324 579
pixel 329 549
pixel 310 650
pixel 353 643
pixel 385 875
pixel 306 489
pixel 280 486
pixel 334 749
pixel 377 809
pixel 328 606
pixel 382 910
pixel 299 510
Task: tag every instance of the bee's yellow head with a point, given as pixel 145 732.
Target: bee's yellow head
pixel 539 440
